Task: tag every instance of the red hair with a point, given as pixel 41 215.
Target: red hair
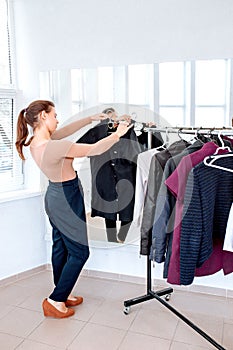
pixel 29 116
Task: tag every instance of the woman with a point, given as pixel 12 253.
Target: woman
pixel 63 200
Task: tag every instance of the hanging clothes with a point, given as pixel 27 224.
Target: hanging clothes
pixel 176 184
pixel 142 174
pixel 156 139
pixel 207 202
pixel 162 232
pixel 113 174
pixel 157 166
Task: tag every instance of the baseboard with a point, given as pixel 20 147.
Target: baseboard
pixel 22 275
pixel 157 283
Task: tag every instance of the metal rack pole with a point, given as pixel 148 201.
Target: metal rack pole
pixel 148 296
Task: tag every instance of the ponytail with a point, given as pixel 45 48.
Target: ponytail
pixel 22 134
pixel 29 116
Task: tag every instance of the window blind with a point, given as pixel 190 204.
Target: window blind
pixel 11 174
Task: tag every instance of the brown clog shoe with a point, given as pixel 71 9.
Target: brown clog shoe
pixel 50 311
pixel 76 302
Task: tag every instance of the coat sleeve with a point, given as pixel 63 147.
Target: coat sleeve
pixel 154 182
pixel 164 216
pixel 159 230
pixel 94 134
pixel 161 217
pixel 148 212
pixel 191 230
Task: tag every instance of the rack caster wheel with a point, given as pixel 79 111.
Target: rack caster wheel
pixel 167 297
pixel 126 310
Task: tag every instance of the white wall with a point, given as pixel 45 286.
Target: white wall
pixel 59 34
pixel 64 34
pixel 22 227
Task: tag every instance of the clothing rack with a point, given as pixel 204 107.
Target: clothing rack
pixel 150 294
pixel 190 131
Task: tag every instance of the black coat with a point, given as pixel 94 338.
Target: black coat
pixel 113 174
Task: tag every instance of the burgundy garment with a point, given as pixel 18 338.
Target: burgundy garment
pixel 176 183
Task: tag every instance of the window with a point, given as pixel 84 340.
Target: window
pixel 192 93
pixel 5 64
pixel 76 90
pixel 140 84
pixel 105 85
pixel 211 92
pixel 111 84
pixel 11 177
pixel 172 92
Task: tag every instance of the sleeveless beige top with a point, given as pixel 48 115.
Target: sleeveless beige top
pixel 52 160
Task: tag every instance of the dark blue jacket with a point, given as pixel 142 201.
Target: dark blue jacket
pixel 207 203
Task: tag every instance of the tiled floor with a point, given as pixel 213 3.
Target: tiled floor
pixel 100 324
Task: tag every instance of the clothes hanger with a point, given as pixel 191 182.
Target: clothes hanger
pixel 112 124
pixel 196 135
pixel 222 147
pixel 210 163
pixel 216 155
pixel 207 137
pixel 182 138
pixel 178 133
pixel 201 137
pixel 166 141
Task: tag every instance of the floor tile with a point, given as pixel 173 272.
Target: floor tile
pixel 94 287
pixel 5 309
pixel 32 345
pixel 153 305
pixel 37 280
pixel 137 341
pixel 199 303
pixel 229 313
pixel 34 303
pixel 228 336
pixel 213 326
pixel 57 332
pixel 182 346
pixel 14 294
pixel 9 342
pixel 149 325
pixel 86 310
pixel 161 324
pixel 20 322
pixel 110 313
pixel 124 291
pixel 98 337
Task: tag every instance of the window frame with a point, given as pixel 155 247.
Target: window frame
pixel 10 92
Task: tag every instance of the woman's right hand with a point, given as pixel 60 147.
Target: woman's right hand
pixel 123 128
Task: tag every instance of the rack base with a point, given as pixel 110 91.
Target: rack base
pixel 157 295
